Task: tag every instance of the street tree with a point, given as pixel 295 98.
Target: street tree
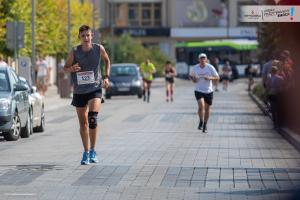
pixel 128 49
pixel 50 24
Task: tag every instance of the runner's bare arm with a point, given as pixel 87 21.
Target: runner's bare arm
pixel 174 71
pixel 106 60
pixel 154 70
pixel 213 78
pixel 68 66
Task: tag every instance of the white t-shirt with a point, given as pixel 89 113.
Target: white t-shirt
pixel 202 85
pixel 2 63
pixel 42 68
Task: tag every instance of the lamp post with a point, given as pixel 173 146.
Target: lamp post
pixel 33 57
pixel 111 14
pixel 227 24
pixel 94 12
pixel 69 26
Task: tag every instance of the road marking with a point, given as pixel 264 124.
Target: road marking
pixel 20 194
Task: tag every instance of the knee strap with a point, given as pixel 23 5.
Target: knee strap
pixel 92 119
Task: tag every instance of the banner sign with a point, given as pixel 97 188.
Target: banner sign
pixel 270 14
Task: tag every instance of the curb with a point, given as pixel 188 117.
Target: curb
pixel 285 132
pixel 260 104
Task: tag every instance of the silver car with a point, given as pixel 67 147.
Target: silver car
pixel 36 102
pixel 15 112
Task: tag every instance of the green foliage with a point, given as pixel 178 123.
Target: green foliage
pixel 130 50
pixel 260 92
pixel 5 8
pixel 269 35
pixel 50 27
pixel 158 59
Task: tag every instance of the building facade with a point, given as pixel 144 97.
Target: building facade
pixel 167 22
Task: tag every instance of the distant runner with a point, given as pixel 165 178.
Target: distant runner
pixel 147 70
pixel 169 73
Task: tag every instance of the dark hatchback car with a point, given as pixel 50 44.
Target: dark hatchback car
pixel 15 113
pixel 125 79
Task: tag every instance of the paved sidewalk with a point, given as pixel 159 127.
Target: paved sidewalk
pixel 154 151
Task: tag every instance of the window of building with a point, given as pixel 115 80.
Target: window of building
pixel 133 14
pixel 146 14
pixel 157 14
pixel 138 14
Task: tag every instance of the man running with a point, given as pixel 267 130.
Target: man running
pixel 203 74
pixel 147 70
pixel 83 62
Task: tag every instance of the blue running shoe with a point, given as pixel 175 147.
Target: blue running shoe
pixel 93 156
pixel 85 158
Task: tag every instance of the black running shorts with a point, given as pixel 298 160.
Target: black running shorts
pixel 81 100
pixel 208 98
pixel 170 80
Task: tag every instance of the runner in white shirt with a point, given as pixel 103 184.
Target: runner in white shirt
pixel 203 74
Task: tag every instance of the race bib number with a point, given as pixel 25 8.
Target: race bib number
pixel 86 77
pixel 147 75
pixel 169 75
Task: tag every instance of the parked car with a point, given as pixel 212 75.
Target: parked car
pixel 36 102
pixel 125 79
pixel 15 112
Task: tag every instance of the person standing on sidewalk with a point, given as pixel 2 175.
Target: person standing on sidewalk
pixel 203 74
pixel 169 73
pixel 83 63
pixel 147 70
pixel 215 63
pixel 43 75
pixel 274 85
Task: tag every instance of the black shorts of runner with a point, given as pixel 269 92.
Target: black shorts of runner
pixel 81 100
pixel 226 77
pixel 170 80
pixel 208 98
pixel 147 81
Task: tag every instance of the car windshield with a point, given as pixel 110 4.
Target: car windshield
pixel 4 84
pixel 123 71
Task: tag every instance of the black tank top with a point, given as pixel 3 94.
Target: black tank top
pixel 88 79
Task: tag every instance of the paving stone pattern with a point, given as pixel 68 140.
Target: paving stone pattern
pixel 155 151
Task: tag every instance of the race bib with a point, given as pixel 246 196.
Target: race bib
pixel 169 75
pixel 86 77
pixel 147 75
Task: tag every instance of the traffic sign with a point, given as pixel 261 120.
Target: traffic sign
pixel 15 35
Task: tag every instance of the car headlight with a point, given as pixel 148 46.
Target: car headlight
pixel 4 104
pixel 136 83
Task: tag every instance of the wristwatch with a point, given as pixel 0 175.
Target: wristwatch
pixel 106 76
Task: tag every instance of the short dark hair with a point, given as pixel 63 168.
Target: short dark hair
pixel 168 62
pixel 84 28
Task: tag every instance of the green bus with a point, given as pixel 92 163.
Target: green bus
pixel 240 52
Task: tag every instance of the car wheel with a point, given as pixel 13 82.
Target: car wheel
pixel 14 133
pixel 140 95
pixel 27 130
pixel 41 127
